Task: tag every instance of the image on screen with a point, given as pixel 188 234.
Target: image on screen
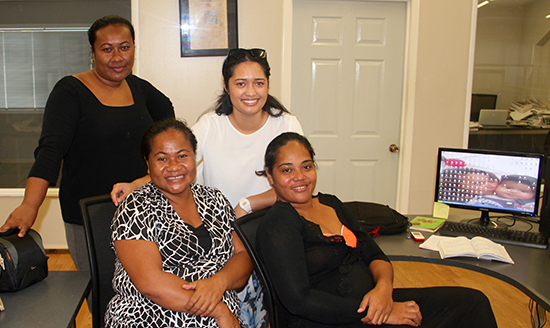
pixel 489 181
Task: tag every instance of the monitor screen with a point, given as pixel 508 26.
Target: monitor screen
pixel 489 181
pixel 481 101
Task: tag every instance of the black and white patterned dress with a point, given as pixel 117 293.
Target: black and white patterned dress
pixel 146 214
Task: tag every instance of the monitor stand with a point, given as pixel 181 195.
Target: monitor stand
pixel 484 221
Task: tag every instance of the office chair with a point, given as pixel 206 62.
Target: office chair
pixel 97 213
pixel 245 227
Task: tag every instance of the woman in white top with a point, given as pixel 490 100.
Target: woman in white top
pixel 233 137
pixel 231 143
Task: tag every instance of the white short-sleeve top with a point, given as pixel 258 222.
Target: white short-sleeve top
pixel 228 159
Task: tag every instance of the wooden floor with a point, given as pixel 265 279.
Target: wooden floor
pixel 510 305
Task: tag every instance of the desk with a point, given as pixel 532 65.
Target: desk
pixel 518 139
pixel 53 302
pixel 530 273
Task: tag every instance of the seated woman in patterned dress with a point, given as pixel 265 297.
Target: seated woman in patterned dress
pixel 178 259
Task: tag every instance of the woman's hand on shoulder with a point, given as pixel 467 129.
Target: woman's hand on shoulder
pixel 123 189
pixel 405 313
pixel 208 294
pixel 120 191
pixel 379 304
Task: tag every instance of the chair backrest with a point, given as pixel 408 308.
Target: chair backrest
pixel 97 213
pixel 246 227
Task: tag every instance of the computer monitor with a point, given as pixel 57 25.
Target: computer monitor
pixel 481 101
pixel 489 181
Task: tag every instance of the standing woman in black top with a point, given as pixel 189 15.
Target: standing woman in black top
pixel 93 123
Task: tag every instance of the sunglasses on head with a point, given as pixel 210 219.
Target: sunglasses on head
pixel 238 53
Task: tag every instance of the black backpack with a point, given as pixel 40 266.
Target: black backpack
pixel 23 261
pixel 378 219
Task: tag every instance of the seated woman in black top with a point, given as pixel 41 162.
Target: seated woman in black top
pixel 327 272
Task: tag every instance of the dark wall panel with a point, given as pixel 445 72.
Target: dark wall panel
pixel 59 13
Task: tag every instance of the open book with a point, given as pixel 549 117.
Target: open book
pixel 477 247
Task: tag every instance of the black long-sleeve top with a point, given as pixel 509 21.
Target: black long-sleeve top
pixel 99 145
pixel 319 280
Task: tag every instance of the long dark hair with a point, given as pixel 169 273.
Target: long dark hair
pixel 106 21
pixel 271 152
pixel 235 57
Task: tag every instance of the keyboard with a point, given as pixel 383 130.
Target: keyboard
pixel 501 236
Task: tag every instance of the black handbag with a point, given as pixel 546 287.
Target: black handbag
pixel 378 219
pixel 23 261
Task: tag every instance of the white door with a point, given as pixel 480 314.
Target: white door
pixel 347 83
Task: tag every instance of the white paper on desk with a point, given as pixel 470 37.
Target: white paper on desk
pixel 432 243
pixel 518 116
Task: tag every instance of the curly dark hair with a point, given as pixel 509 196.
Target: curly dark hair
pixel 106 21
pixel 163 126
pixel 281 140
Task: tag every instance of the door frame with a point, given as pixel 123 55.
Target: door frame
pixel 406 160
pixel 407 105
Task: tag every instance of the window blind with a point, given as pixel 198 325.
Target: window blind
pixel 31 63
pixel 33 60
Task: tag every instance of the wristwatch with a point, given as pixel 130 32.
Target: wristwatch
pixel 245 205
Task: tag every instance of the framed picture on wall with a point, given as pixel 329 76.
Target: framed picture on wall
pixel 208 27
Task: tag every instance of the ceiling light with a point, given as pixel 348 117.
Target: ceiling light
pixel 482 4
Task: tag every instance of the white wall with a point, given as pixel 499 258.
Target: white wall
pixel 193 83
pixel 48 223
pixel 438 71
pixel 438 103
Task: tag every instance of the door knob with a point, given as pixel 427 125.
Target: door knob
pixel 394 148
